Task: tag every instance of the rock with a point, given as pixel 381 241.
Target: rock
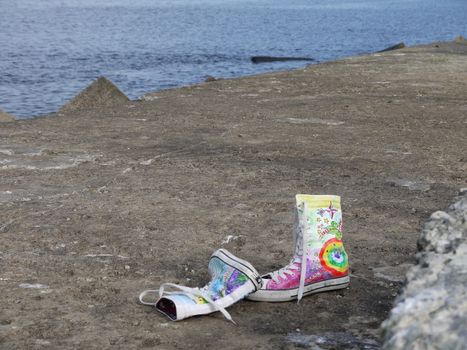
pixel 101 93
pixel 460 39
pixel 311 120
pixel 431 312
pixel 331 340
pixel 412 185
pixel 209 78
pixel 33 286
pixel 394 273
pixel 394 47
pixel 5 117
pixel 265 59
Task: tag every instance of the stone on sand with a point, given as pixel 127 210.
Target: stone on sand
pixel 5 117
pixel 101 93
pixel 209 79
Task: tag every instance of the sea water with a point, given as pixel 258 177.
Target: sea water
pixel 52 49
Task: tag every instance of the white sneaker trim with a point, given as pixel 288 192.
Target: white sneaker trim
pixel 280 295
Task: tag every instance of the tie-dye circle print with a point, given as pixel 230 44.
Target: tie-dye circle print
pixel 334 258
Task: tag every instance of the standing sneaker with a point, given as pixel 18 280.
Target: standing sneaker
pixel 319 262
pixel 232 279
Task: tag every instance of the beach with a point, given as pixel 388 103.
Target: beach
pixel 101 203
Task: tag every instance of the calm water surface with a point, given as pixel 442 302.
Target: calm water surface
pixel 51 49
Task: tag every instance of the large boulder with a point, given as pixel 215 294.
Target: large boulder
pixel 431 312
pixel 101 93
pixel 460 40
pixel 5 117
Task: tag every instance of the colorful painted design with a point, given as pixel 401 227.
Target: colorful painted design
pixel 334 229
pixel 327 258
pixel 236 280
pixel 291 280
pixel 225 280
pixel 331 210
pixel 334 258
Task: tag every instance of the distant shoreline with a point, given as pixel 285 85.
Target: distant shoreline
pixel 52 50
pixel 303 64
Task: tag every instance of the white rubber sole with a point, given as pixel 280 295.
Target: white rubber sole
pixel 276 296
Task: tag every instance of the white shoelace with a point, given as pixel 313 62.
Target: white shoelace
pixel 300 256
pixel 286 270
pixel 192 293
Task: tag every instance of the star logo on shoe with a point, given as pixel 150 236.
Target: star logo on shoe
pixel 331 210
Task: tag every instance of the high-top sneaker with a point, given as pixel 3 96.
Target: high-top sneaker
pixel 319 262
pixel 232 279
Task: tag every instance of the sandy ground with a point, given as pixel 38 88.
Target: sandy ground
pixel 98 205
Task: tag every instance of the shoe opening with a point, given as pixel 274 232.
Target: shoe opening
pixel 168 308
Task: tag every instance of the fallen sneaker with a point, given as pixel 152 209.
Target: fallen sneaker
pixel 232 279
pixel 319 262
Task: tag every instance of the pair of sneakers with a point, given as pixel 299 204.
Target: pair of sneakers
pixel 319 263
